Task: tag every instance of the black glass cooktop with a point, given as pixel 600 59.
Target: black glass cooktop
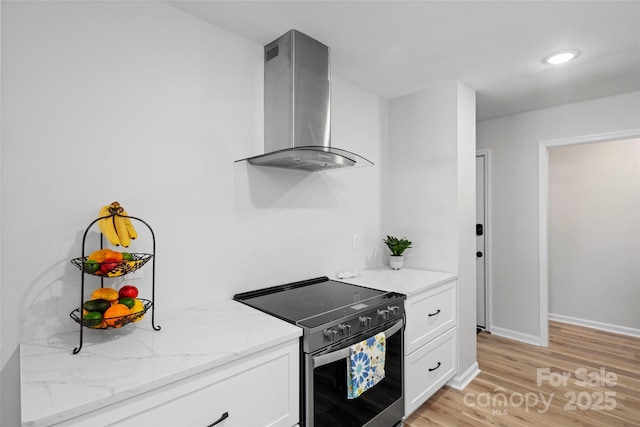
pixel 312 302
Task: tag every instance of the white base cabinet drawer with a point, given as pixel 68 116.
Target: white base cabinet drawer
pixel 428 369
pixel 260 391
pixel 429 314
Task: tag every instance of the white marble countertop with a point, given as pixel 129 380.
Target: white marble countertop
pixel 116 364
pixel 408 281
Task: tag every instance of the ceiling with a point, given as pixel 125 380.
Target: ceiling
pixel 394 48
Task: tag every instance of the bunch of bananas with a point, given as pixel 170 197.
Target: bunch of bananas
pixel 115 225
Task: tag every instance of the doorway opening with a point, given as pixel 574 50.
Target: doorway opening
pixel 483 247
pixel 543 214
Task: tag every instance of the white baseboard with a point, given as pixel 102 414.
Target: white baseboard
pixel 459 382
pixel 514 335
pixel 624 330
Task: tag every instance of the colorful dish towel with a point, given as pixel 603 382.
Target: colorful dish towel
pixel 365 365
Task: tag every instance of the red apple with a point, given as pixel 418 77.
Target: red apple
pixel 106 267
pixel 128 291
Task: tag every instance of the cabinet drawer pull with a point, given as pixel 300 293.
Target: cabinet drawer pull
pixel 219 420
pixel 433 314
pixel 437 366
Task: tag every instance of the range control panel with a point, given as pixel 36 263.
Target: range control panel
pixel 349 327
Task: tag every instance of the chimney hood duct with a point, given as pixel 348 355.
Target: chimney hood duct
pixel 297 106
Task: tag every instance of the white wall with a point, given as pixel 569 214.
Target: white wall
pixel 141 103
pixel 466 218
pixel 432 191
pixel 423 150
pixel 513 142
pixel 594 233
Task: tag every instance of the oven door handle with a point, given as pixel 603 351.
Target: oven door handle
pixel 343 353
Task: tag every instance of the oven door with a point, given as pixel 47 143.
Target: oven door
pixel 326 403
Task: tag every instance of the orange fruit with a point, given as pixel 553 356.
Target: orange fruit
pixel 113 256
pixel 102 255
pixel 109 294
pixel 98 255
pixel 115 316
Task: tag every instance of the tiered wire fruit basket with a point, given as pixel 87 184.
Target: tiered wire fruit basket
pixel 120 269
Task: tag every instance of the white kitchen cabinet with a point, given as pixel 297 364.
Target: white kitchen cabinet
pixel 429 314
pixel 430 334
pixel 259 390
pixel 215 357
pixel 428 369
pixel 430 347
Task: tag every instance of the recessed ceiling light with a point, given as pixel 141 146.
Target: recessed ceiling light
pixel 561 56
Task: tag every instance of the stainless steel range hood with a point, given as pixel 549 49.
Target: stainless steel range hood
pixel 297 107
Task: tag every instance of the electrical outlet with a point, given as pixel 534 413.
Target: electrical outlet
pixel 356 242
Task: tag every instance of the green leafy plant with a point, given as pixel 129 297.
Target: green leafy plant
pixel 397 246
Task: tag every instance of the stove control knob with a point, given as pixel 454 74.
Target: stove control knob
pixel 345 328
pixel 384 314
pixel 365 321
pixel 330 334
pixel 394 309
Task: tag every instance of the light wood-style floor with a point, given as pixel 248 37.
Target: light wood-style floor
pixel 523 385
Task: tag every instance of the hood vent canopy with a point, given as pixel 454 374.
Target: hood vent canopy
pixel 297 106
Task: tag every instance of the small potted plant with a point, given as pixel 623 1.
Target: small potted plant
pixel 397 247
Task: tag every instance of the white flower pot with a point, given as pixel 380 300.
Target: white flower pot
pixel 396 262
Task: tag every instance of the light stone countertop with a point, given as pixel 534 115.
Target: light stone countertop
pixel 116 364
pixel 408 281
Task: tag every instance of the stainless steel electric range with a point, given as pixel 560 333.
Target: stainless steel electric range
pixel 335 315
